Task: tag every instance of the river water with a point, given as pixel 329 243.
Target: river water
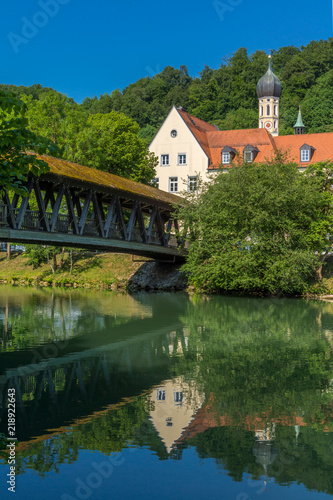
pixel 160 396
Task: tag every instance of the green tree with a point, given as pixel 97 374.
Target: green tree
pixel 59 118
pixel 147 133
pixel 317 105
pixel 260 228
pixel 240 119
pixel 320 236
pixel 110 142
pixel 15 143
pixel 40 254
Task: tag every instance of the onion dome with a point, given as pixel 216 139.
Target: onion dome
pixel 269 85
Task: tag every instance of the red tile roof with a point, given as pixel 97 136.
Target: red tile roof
pixel 322 143
pixel 196 122
pixel 238 139
pixel 199 129
pixel 213 141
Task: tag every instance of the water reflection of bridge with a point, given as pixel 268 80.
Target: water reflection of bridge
pixel 52 393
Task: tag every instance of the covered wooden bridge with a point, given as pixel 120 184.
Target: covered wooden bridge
pixel 77 206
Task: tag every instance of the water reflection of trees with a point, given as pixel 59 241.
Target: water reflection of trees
pixel 109 433
pixel 31 317
pixel 257 362
pixel 262 356
pixel 307 459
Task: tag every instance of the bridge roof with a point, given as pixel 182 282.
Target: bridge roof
pixel 108 182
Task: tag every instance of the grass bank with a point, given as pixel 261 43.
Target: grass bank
pixel 97 270
pixel 89 269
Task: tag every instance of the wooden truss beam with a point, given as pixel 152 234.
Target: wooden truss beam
pixel 112 217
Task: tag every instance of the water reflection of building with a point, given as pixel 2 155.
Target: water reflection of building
pixel 264 450
pixel 174 404
pixel 265 453
pixel 266 434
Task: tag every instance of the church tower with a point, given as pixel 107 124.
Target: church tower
pixel 269 93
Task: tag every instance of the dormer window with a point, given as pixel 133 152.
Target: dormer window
pixel 306 153
pixel 228 154
pixel 225 158
pixel 248 156
pixel 250 153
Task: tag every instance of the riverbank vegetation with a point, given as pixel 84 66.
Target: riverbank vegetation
pixel 261 229
pixel 79 269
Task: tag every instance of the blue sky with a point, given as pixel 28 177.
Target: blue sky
pixel 85 48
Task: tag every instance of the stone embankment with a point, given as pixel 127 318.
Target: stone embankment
pixel 158 276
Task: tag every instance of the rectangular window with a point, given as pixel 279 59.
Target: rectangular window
pixel 160 395
pixel 181 159
pixel 192 183
pixel 305 155
pixel 156 182
pixel 178 397
pixel 165 160
pixel 248 158
pixel 226 158
pixel 173 184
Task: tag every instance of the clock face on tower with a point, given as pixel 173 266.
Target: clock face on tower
pixel 268 125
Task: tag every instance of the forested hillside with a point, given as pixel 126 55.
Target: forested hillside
pixel 225 96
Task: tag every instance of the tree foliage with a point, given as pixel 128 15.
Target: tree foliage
pixel 259 228
pixel 225 96
pixel 111 142
pixel 15 143
pixel 217 94
pixel 106 141
pixel 40 254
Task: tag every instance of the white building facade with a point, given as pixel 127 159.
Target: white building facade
pixel 182 157
pixel 189 149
